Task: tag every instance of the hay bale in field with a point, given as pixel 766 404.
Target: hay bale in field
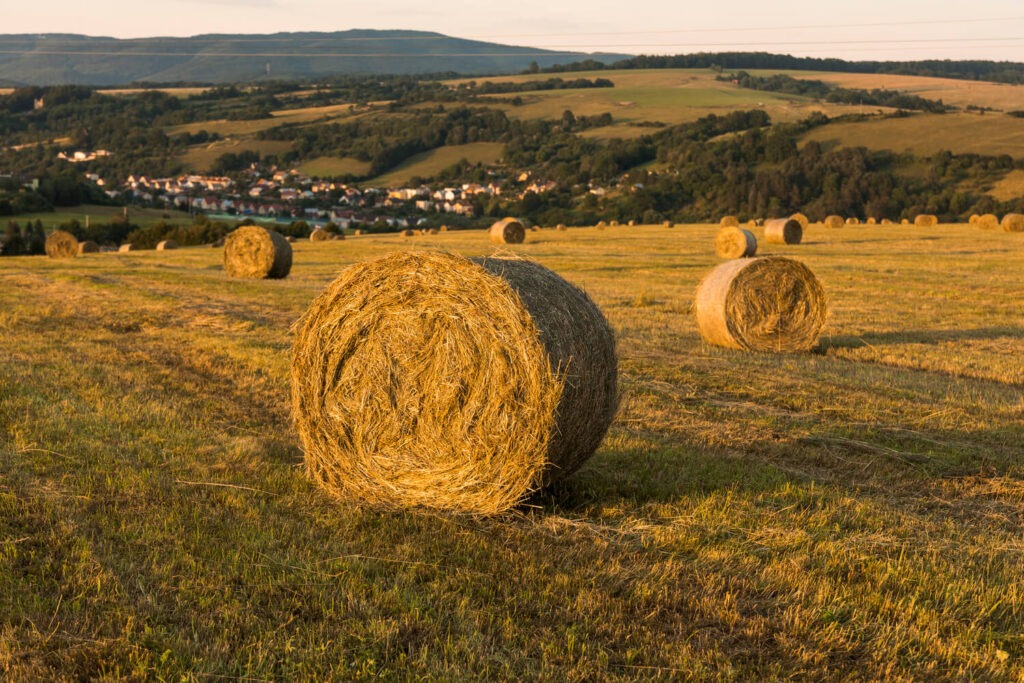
pixel 319 235
pixel 783 231
pixel 124 248
pixel 427 379
pixel 771 303
pixel 834 221
pixel 255 252
pixel 508 231
pixel 905 221
pixel 601 225
pixel 408 232
pixel 338 236
pixel 357 232
pixel 973 220
pixel 926 220
pixel 871 221
pixel 801 219
pixel 1013 222
pixel 444 228
pixel 668 224
pixel 735 243
pixel 166 245
pixel 88 247
pixel 615 224
pixel 987 222
pixel 432 231
pixel 886 221
pixel 561 227
pixel 852 221
pixel 289 239
pixel 729 222
pixel 61 244
pixel 632 224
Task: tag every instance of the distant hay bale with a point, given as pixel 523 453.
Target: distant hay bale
pixel 255 252
pixel 751 223
pixel 987 222
pixel 771 303
pixel 427 379
pixel 852 221
pixel 61 244
pixel 166 245
pixel 432 231
pixel 871 220
pixel 507 231
pixel 601 225
pixel 408 232
pixel 338 236
pixel 668 224
pixel 289 239
pixel 905 221
pixel 561 227
pixel 319 235
pixel 1013 222
pixel 357 231
pixel 801 219
pixel 783 231
pixel 88 247
pixel 124 248
pixel 444 228
pixel 973 220
pixel 729 222
pixel 834 221
pixel 925 220
pixel 735 243
pixel 615 224
pixel 886 221
pixel 632 224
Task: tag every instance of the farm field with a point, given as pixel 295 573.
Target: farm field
pixel 333 166
pixel 203 157
pixel 428 164
pixel 849 513
pixel 101 214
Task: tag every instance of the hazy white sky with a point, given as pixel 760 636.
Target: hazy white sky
pixel 866 29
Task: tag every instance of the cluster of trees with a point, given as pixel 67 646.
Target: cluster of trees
pixel 823 91
pixel 23 241
pixel 490 87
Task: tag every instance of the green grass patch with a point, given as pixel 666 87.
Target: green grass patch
pixel 330 167
pixel 428 164
pixel 101 214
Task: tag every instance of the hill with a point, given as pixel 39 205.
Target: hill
pixel 52 59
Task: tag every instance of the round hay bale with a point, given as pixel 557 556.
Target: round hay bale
pixel 871 221
pixel 427 379
pixel 735 243
pixel 905 221
pixel 615 224
pixel 319 235
pixel 987 222
pixel 408 232
pixel 631 224
pixel 357 232
pixel 124 248
pixel 561 227
pixel 926 220
pixel 601 225
pixel 751 223
pixel 88 247
pixel 444 228
pixel 338 236
pixel 771 303
pixel 852 221
pixel 166 245
pixel 254 252
pixel 973 220
pixel 508 231
pixel 783 231
pixel 801 219
pixel 668 224
pixel 432 231
pixel 886 221
pixel 61 244
pixel 729 222
pixel 1013 222
pixel 834 221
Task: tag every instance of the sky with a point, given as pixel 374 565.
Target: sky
pixel 866 29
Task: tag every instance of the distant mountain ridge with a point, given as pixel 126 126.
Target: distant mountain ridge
pixel 58 59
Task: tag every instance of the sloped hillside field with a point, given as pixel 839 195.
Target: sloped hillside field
pixel 855 511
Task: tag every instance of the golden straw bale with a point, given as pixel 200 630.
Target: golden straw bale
pixel 255 252
pixel 783 231
pixel 1013 222
pixel 801 219
pixel 432 231
pixel 632 224
pixel 770 303
pixel 444 228
pixel 987 222
pixel 871 221
pixel 834 221
pixel 729 222
pixel 973 220
pixel 408 232
pixel 925 220
pixel 88 247
pixel 508 231
pixel 427 379
pixel 615 224
pixel 357 232
pixel 735 243
pixel 852 221
pixel 127 247
pixel 601 225
pixel 668 224
pixel 560 227
pixel 886 221
pixel 166 245
pixel 905 221
pixel 319 235
pixel 61 244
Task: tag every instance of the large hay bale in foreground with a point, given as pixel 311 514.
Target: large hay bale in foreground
pixel 61 244
pixel 124 248
pixel 926 220
pixel 319 235
pixel 987 221
pixel 507 231
pixel 88 247
pixel 166 244
pixel 1013 222
pixel 427 379
pixel 801 219
pixel 729 222
pixel 255 252
pixel 735 243
pixel 783 231
pixel 834 221
pixel 770 303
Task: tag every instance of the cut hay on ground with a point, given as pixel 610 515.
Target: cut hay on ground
pixel 729 222
pixel 88 247
pixel 783 231
pixel 166 244
pixel 834 221
pixel 987 222
pixel 254 252
pixel 319 235
pixel 926 220
pixel 735 243
pixel 508 231
pixel 801 219
pixel 127 247
pixel 1013 222
pixel 770 303
pixel 427 379
pixel 61 244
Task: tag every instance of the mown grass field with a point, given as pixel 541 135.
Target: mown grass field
pixel 428 164
pixel 848 514
pixel 330 167
pixel 202 157
pixel 96 213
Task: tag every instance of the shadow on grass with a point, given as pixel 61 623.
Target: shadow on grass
pixel 916 337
